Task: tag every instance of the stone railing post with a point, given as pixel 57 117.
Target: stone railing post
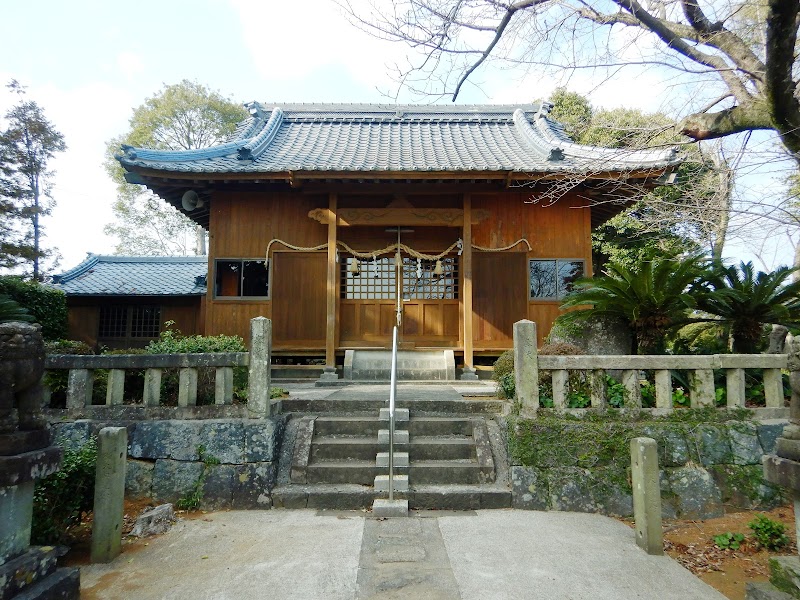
pixel 79 388
pixel 526 366
pixel 259 376
pixel 223 385
pixel 187 387
pixel 115 392
pixel 646 495
pixel 109 494
pixel 152 387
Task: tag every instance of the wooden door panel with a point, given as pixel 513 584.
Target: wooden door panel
pixel 299 283
pixel 499 297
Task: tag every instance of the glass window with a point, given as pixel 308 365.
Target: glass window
pixel 113 321
pixel 120 321
pixel 241 279
pixel 368 279
pixel 553 279
pixel 145 321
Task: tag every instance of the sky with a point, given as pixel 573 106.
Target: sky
pixel 89 63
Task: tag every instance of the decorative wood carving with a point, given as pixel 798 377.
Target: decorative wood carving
pixel 443 217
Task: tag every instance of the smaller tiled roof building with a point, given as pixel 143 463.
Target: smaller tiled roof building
pixel 125 301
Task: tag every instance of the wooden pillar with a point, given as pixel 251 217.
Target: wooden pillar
pixel 330 321
pixel 466 290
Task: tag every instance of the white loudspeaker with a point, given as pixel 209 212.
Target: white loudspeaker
pixel 190 201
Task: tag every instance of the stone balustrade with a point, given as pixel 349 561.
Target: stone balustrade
pixel 81 369
pixel 702 392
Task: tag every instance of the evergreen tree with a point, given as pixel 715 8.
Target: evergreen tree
pixel 27 145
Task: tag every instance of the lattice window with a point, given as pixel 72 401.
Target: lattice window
pixel 145 321
pixel 368 279
pixel 553 279
pixel 420 281
pixel 113 321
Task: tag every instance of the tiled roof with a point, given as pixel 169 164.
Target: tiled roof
pixel 385 138
pixel 136 275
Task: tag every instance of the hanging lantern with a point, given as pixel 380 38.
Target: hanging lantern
pixel 439 270
pixel 353 266
pixel 419 268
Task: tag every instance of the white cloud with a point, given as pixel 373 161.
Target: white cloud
pixel 130 64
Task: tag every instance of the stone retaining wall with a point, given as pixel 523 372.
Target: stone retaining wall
pixel 704 468
pixel 164 461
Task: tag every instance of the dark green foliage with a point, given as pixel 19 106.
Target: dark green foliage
pixel 27 145
pixel 503 374
pixel 768 533
pixel 746 301
pixel 12 311
pixel 653 298
pixel 61 500
pixel 729 540
pixel 192 499
pixel 173 342
pixel 47 305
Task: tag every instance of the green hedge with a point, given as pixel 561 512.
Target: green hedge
pixel 48 305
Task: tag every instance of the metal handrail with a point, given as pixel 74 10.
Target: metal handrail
pixel 392 395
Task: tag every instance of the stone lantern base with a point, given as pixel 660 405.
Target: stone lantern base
pixel 27 571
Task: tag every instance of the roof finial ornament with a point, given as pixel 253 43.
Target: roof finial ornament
pixel 255 110
pixel 544 109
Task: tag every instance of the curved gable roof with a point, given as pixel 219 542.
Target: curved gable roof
pixel 375 139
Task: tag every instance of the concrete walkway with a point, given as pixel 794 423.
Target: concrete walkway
pixel 303 554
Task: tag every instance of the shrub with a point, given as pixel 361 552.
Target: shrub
pixel 61 500
pixel 47 305
pixel 729 540
pixel 503 374
pixel 173 342
pixel 579 392
pixel 768 533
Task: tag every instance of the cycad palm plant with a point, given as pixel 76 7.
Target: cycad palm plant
pixel 654 297
pixel 747 300
pixel 12 311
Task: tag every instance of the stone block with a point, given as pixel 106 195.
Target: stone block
pixel 745 447
pixel 401 415
pixel 173 479
pixel 109 494
pixel 253 485
pixel 768 434
pixel 18 442
pixel 526 372
pixel 789 449
pixel 16 509
pixel 529 489
pixel 262 439
pixel 744 486
pixel 154 521
pixel 21 572
pixel 175 440
pixel 218 486
pixel 29 466
pixel 785 574
pixel 383 508
pixel 260 372
pixel 712 444
pixel 781 471
pixel 400 436
pixel 63 584
pixel 224 440
pixel 72 435
pixel 695 494
pixel 400 460
pixel 760 590
pixel 139 478
pixel 399 482
pixel 674 448
pixel 646 495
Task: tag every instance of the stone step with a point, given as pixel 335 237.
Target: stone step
pixel 420 497
pixel 370 407
pixel 400 437
pixel 440 426
pixel 401 415
pixel 348 426
pixel 361 472
pixel 412 365
pixel 341 447
pixel 399 482
pixel 400 460
pixel 447 472
pixel 438 448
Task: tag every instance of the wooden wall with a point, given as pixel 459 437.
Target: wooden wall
pixel 243 223
pixel 83 316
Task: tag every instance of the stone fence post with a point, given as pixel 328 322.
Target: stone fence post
pixel 646 495
pixel 109 494
pixel 259 378
pixel 526 366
